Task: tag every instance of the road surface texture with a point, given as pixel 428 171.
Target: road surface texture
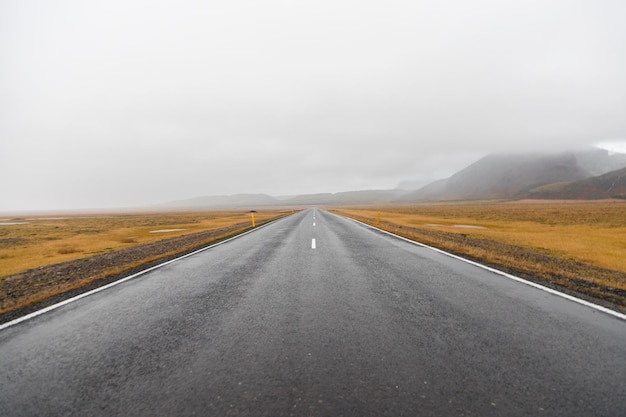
pixel 316 315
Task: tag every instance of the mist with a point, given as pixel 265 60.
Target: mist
pixel 128 103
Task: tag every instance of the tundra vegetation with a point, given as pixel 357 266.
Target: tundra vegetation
pixel 579 247
pixel 44 257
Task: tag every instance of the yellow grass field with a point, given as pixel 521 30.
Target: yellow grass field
pixel 590 233
pixel 36 242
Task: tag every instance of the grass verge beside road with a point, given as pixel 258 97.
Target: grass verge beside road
pixel 579 247
pixel 36 263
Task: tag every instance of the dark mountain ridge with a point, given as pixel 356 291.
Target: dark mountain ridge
pixel 494 177
pixel 609 185
pixel 511 176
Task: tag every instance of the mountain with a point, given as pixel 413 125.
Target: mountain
pixel 254 201
pixel 347 198
pixel 498 176
pixel 501 176
pixel 600 161
pixel 610 185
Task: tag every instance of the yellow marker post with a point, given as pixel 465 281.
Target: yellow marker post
pixel 253 224
pixel 378 218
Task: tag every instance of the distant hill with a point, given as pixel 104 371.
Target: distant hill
pixel 510 176
pixel 253 201
pixel 347 198
pixel 501 177
pixel 492 177
pixel 610 185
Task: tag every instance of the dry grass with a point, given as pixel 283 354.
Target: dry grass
pixel 583 243
pixel 49 259
pixel 42 241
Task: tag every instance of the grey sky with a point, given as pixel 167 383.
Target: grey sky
pixel 118 103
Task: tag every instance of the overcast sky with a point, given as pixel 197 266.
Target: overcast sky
pixel 130 102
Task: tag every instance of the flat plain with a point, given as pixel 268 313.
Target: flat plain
pixel 574 245
pixel 42 257
pixel 578 247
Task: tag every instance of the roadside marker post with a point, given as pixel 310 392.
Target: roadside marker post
pixel 378 218
pixel 252 215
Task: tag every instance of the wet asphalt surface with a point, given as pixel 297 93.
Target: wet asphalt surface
pixel 361 325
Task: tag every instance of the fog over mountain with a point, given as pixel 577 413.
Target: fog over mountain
pixel 509 176
pixel 565 175
pixel 132 103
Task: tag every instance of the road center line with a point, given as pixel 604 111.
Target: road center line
pixel 312 243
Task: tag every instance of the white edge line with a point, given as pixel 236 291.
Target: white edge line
pixel 502 273
pixel 120 281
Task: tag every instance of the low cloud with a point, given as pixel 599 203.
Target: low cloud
pixel 135 102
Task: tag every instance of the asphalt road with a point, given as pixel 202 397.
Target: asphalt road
pixel 315 315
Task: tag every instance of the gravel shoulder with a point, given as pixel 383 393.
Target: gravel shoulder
pixel 573 277
pixel 37 288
